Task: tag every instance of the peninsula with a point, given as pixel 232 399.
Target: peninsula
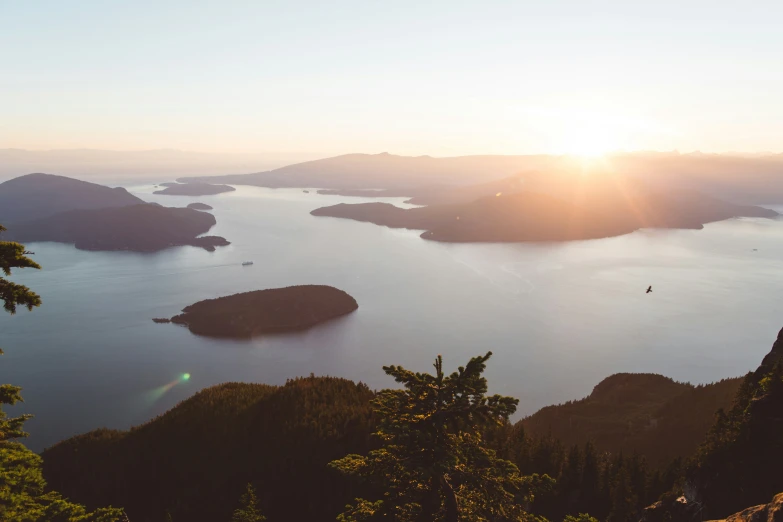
pixel 193 189
pixel 593 213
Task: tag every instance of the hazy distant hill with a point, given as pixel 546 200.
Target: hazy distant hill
pixel 743 179
pixel 595 212
pixel 138 164
pixel 753 179
pixel 440 194
pixel 388 171
pixel 40 195
pixel 654 415
pixel 139 228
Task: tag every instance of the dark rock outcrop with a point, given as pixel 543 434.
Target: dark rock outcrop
pixel 772 512
pixel 680 510
pixel 277 310
pixel 740 461
pixel 775 355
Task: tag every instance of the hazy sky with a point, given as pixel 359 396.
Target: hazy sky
pixel 426 77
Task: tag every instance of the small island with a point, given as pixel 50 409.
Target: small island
pixel 276 310
pixel 193 189
pixel 199 206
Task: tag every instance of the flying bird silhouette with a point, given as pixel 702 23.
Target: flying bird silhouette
pixel 649 289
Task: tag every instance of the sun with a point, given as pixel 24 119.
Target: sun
pixel 584 132
pixel 590 139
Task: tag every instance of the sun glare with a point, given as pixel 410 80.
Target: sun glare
pixel 590 144
pixel 587 133
pixel 590 138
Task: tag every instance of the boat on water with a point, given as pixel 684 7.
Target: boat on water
pixel 247 263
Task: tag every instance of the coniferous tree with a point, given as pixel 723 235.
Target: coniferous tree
pixel 637 475
pixel 248 507
pixel 590 480
pixel 14 255
pixel 22 487
pixel 623 500
pixel 581 517
pixel 571 475
pixel 433 464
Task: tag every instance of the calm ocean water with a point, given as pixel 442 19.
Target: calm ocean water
pixel 558 317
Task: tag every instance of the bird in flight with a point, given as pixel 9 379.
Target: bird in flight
pixel 649 289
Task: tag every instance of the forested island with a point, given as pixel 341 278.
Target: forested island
pixel 193 189
pixel 44 207
pixel 136 228
pixel 36 196
pixel 601 210
pixel 276 310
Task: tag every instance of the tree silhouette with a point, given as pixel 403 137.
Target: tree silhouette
pixel 14 255
pixel 22 486
pixel 433 464
pixel 248 510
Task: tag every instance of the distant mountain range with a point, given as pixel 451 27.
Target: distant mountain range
pixel 138 164
pixel 742 179
pixel 387 171
pixel 536 198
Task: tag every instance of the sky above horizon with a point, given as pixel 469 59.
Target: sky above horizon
pixel 439 77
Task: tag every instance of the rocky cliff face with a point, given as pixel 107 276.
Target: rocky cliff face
pixel 772 512
pixel 740 463
pixel 775 355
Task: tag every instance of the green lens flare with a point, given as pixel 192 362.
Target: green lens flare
pixel 185 376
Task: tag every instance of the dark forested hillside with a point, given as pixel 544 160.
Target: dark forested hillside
pixel 740 463
pixel 195 460
pixel 647 413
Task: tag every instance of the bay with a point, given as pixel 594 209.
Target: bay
pixel 559 317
